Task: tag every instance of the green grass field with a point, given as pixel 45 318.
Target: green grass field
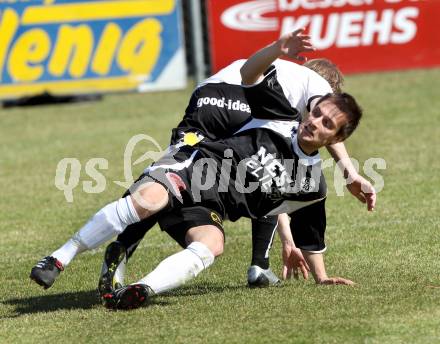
pixel 392 254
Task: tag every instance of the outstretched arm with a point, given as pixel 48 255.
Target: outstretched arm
pixel 317 267
pixel 288 45
pixel 356 184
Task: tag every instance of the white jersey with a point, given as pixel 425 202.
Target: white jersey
pixel 229 75
pixel 219 107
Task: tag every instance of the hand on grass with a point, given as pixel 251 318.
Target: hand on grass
pixel 336 281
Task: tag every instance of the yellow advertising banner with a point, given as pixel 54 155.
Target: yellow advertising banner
pixel 69 47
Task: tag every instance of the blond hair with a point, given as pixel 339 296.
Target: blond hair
pixel 329 71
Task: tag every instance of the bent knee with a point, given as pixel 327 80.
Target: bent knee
pixel 217 248
pixel 209 235
pixel 150 198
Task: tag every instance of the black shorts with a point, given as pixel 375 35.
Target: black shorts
pixel 187 207
pixel 181 176
pixel 179 221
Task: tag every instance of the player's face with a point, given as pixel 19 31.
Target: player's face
pixel 321 126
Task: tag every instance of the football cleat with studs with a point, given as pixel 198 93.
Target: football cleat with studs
pixel 129 297
pixel 113 268
pixel 46 271
pixel 261 278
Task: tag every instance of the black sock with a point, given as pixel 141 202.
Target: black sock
pixel 263 231
pixel 133 234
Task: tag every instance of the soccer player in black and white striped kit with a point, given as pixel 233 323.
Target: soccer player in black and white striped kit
pixel 272 101
pixel 217 109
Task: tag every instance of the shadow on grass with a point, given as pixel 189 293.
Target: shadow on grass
pixel 204 288
pixel 89 299
pixel 53 302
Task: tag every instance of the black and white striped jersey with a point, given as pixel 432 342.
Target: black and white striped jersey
pixel 285 92
pixel 261 170
pixel 253 131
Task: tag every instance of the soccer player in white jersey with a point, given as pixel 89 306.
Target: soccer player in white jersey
pixel 123 208
pixel 217 108
pixel 273 168
pixel 332 120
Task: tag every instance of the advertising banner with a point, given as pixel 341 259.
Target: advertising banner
pixel 74 46
pixel 358 35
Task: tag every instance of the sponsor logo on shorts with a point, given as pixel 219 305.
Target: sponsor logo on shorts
pixel 216 218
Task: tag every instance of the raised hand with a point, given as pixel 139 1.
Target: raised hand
pixel 294 43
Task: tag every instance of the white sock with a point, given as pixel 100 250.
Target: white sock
pixel 105 224
pixel 179 268
pixel 68 251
